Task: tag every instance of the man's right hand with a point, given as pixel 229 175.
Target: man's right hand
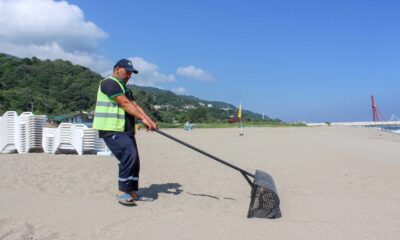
pixel 149 124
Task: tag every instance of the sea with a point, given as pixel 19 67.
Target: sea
pixel 388 128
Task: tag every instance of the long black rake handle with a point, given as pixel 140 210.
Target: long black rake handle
pixel 245 174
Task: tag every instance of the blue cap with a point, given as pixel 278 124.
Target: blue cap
pixel 127 65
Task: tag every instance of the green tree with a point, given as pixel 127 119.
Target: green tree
pixel 198 115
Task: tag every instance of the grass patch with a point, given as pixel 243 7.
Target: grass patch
pixel 229 125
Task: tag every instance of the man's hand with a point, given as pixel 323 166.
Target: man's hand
pixel 149 124
pixel 135 110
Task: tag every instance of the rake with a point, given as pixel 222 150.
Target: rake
pixel 264 197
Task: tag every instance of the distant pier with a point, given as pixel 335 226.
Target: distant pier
pixel 380 123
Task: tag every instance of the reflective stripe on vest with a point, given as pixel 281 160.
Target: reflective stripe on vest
pixel 109 116
pixel 106 104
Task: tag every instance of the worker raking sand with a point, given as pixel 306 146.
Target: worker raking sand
pixel 114 117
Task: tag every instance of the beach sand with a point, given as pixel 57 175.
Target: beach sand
pixel 333 183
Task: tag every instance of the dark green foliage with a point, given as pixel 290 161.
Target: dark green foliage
pixel 60 87
pixel 49 87
pixel 180 108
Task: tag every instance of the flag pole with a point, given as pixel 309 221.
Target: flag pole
pixel 240 118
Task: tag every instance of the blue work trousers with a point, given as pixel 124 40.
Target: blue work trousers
pixel 124 148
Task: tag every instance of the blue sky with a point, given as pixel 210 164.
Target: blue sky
pixel 294 60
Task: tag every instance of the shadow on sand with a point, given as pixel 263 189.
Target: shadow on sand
pixel 154 189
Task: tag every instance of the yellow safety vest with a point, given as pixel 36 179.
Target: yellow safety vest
pixel 109 116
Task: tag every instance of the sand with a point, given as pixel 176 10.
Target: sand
pixel 333 182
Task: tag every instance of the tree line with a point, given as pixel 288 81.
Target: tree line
pixel 60 87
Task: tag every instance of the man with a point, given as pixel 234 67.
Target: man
pixel 115 119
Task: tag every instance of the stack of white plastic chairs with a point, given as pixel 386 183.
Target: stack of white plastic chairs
pixel 75 137
pixel 30 132
pixel 101 147
pixel 8 127
pixel 21 134
pixel 49 139
pixel 92 142
pixel 27 132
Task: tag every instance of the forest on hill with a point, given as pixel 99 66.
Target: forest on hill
pixel 60 87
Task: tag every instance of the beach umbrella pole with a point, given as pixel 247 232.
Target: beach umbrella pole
pixel 264 197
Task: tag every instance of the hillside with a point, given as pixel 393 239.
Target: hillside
pixel 59 87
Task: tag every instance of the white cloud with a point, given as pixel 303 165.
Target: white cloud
pixel 50 29
pixel 179 90
pixel 193 72
pixel 149 73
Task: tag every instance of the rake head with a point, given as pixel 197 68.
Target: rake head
pixel 264 197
